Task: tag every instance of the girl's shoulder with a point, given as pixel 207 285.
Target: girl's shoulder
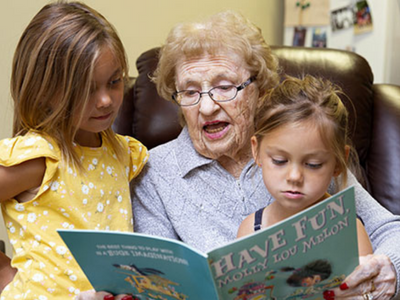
pixel 25 147
pixel 137 152
pixel 133 146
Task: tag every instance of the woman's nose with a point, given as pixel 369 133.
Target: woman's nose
pixel 207 105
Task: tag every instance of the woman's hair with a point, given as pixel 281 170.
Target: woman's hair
pixel 52 72
pixel 318 267
pixel 296 100
pixel 223 32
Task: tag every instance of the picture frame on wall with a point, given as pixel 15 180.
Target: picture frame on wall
pixel 299 36
pixel 363 18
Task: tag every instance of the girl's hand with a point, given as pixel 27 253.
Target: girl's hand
pixel 374 278
pixel 93 295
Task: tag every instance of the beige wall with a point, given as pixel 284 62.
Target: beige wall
pixel 141 26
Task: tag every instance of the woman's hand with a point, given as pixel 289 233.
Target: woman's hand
pixel 374 278
pixel 92 295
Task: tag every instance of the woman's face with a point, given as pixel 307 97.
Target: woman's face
pixel 218 129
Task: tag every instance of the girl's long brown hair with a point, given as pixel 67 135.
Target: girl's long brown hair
pixel 52 72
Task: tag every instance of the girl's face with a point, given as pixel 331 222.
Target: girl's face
pixel 297 166
pixel 105 99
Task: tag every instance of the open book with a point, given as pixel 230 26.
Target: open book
pixel 269 264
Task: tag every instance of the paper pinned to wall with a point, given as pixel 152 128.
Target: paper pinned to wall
pixel 363 22
pixel 307 13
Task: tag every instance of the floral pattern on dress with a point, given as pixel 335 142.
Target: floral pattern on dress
pixel 97 198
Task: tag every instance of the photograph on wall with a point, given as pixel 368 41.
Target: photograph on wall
pixel 319 38
pixel 363 18
pixel 299 36
pixel 342 18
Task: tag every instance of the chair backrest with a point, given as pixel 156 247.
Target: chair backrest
pixel 153 121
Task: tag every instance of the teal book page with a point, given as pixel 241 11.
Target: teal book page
pixel 146 267
pixel 297 258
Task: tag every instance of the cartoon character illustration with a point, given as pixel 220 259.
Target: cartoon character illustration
pixel 334 282
pixel 310 278
pixel 149 280
pixel 254 291
pixel 310 274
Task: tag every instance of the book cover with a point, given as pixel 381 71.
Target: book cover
pixel 297 258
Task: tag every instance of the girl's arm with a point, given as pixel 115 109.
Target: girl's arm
pixel 16 179
pixel 6 271
pixel 364 244
pixel 246 227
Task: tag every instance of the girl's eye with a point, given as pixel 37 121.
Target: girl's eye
pixel 278 162
pixel 116 81
pixel 313 166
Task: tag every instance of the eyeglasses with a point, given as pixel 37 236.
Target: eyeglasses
pixel 222 93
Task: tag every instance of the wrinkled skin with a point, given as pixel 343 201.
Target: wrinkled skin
pixel 219 130
pixel 372 267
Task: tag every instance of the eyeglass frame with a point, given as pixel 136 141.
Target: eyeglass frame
pixel 238 88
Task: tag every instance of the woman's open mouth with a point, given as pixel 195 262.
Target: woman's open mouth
pixel 215 127
pixel 216 130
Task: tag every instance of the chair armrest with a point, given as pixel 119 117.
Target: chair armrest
pixel 383 168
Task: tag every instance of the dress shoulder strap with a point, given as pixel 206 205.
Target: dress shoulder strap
pixel 258 219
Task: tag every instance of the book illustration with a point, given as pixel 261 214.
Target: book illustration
pixel 310 280
pixel 257 290
pixel 298 258
pixel 150 280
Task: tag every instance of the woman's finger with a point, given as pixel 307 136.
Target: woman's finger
pixel 374 278
pixel 124 297
pixel 93 295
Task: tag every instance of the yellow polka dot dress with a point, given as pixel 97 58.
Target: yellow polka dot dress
pixel 96 198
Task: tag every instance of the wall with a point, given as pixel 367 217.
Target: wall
pixel 141 26
pixel 380 47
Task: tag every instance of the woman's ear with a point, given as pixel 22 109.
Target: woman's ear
pixel 254 148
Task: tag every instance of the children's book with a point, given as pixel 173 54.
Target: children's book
pixel 297 258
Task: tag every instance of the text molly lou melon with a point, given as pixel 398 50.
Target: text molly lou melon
pixel 246 262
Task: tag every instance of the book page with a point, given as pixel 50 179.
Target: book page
pixel 145 266
pixel 321 241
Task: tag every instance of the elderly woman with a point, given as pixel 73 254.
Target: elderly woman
pixel 199 187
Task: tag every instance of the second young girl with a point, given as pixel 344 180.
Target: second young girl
pixel 300 143
pixel 64 167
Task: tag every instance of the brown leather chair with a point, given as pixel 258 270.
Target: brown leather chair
pixel 374 112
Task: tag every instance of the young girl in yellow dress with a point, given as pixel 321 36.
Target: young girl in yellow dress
pixel 64 167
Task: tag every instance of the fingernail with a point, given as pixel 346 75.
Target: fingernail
pixel 344 286
pixel 128 297
pixel 108 297
pixel 329 294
